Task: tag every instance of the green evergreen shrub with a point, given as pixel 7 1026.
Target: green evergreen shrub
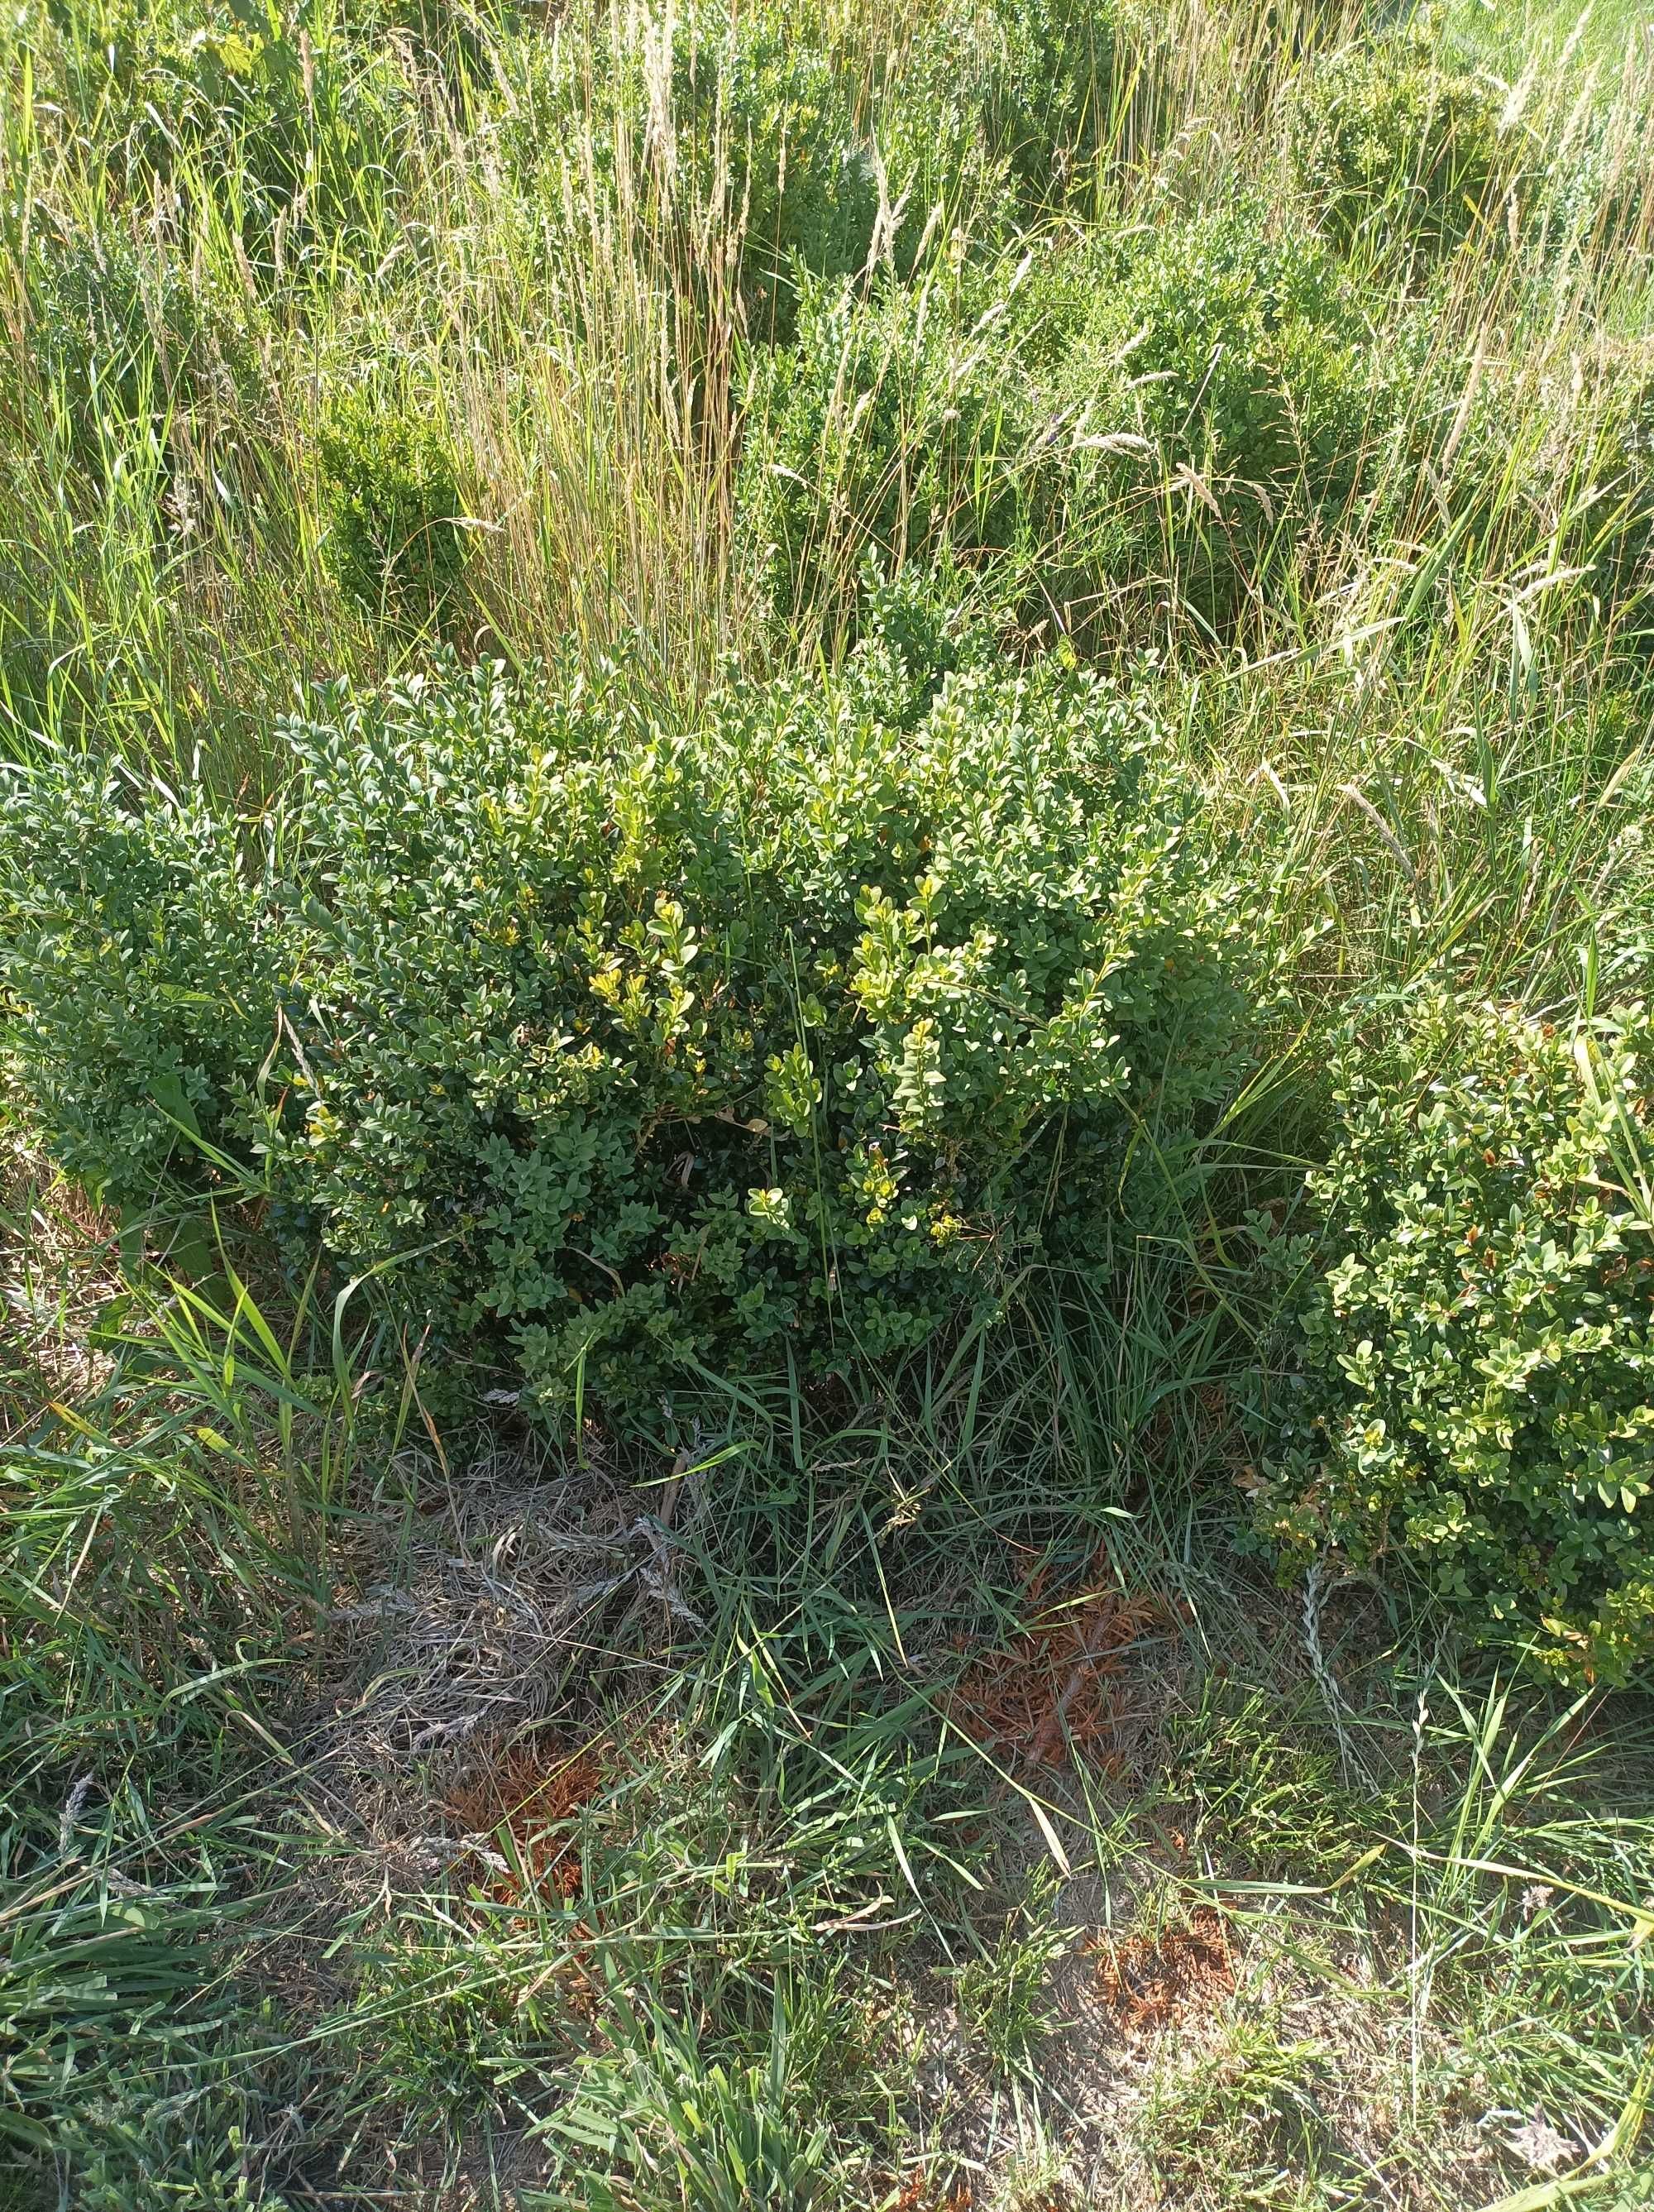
pixel 1588 194
pixel 757 96
pixel 979 115
pixel 1391 147
pixel 744 128
pixel 1248 361
pixel 1030 87
pixel 283 111
pixel 1048 101
pixel 1617 525
pixel 146 945
pixel 116 327
pixel 129 339
pixel 1216 398
pixel 743 131
pixel 392 508
pixel 781 1043
pixel 897 426
pixel 1477 1348
pixel 1126 416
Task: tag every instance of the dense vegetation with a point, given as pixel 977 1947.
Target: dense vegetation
pixel 826 946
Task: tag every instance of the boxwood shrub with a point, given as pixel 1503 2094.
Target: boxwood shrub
pixel 1037 84
pixel 830 142
pixel 307 114
pixel 761 113
pixel 1395 150
pixel 625 1052
pixel 1221 403
pixel 1129 419
pixel 392 508
pixel 142 942
pixel 894 426
pixel 1476 1358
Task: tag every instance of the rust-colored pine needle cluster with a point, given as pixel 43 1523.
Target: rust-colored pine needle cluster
pixel 527 1799
pixel 1147 1981
pixel 1056 1687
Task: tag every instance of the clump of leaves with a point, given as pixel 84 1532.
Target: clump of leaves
pixel 1476 1343
pixel 395 540
pixel 1215 396
pixel 286 115
pixel 801 145
pixel 745 129
pixel 676 2125
pixel 1245 1777
pixel 457 2027
pixel 126 334
pixel 1048 106
pixel 894 427
pixel 763 118
pixel 129 1079
pixel 1029 90
pixel 1104 422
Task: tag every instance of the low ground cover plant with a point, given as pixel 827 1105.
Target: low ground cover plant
pixel 901 425
pixel 1220 406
